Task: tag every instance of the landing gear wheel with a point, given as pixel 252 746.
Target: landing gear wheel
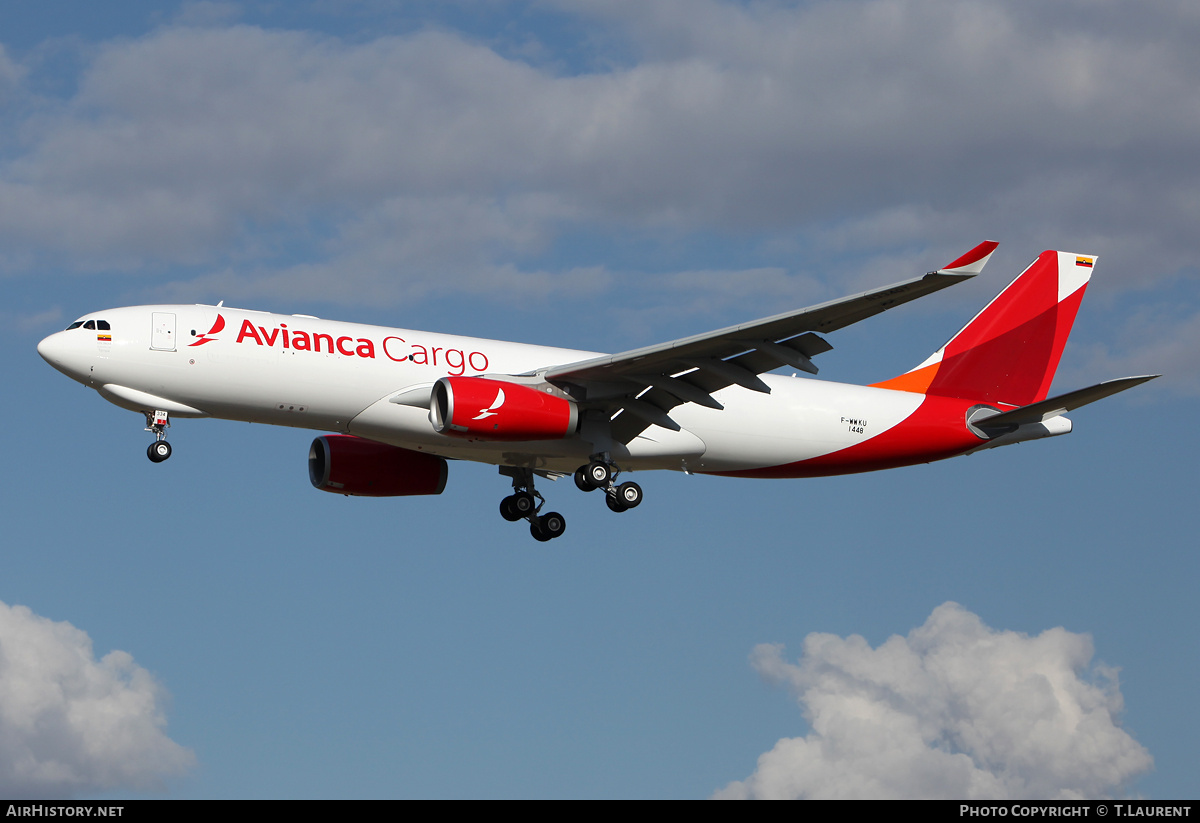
pixel 159 451
pixel 598 474
pixel 548 526
pixel 630 495
pixel 507 511
pixel 523 504
pixel 582 481
pixel 614 504
pixel 517 506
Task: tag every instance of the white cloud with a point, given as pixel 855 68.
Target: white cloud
pixel 70 724
pixel 43 321
pixel 432 157
pixel 954 710
pixel 1153 340
pixel 207 13
pixel 10 74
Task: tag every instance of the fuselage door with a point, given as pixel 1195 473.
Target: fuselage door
pixel 162 335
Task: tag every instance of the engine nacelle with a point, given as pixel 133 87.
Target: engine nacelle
pixel 486 409
pixel 343 464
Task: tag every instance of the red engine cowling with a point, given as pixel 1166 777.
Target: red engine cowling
pixel 343 464
pixel 497 410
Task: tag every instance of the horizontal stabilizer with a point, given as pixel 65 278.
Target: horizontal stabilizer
pixel 1055 406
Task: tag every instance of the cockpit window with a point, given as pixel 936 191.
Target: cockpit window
pixel 98 325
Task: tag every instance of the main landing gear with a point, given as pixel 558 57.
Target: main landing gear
pixel 158 423
pixel 600 474
pixel 523 504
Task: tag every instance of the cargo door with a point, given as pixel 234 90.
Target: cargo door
pixel 162 334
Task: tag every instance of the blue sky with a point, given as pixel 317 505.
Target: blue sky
pixel 599 176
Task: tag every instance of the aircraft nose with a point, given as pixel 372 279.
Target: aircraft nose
pixel 51 348
pixel 58 351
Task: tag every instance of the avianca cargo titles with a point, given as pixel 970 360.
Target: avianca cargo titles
pixel 399 403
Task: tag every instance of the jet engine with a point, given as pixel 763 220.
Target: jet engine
pixel 485 409
pixel 343 464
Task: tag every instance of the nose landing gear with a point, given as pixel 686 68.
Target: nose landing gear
pixel 158 422
pixel 159 451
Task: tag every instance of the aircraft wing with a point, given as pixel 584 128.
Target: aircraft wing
pixel 639 387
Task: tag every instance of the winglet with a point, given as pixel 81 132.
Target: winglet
pixel 973 261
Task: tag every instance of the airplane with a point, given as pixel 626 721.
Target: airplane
pixel 399 403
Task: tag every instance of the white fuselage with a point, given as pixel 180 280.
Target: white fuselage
pixel 305 372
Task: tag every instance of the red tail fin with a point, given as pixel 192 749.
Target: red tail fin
pixel 1008 354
